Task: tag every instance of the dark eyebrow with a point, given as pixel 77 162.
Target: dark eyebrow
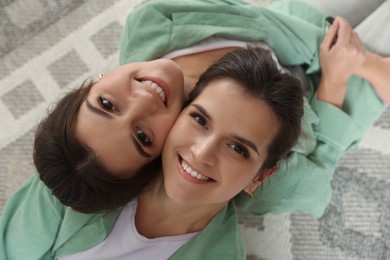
pixel 246 142
pixel 202 110
pixel 239 138
pixel 97 110
pixel 139 148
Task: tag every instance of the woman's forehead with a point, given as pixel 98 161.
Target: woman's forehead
pixel 230 106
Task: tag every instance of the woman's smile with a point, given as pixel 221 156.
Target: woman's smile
pixel 191 174
pixel 158 86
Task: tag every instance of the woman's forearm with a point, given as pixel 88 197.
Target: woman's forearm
pixel 376 70
pixel 332 92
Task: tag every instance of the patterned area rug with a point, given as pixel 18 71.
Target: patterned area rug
pixel 48 46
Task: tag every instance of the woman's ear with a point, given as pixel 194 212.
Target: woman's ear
pixel 98 78
pixel 250 188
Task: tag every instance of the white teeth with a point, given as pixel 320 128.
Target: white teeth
pixel 156 88
pixel 192 172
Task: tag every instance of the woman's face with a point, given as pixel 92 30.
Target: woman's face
pixel 217 145
pixel 128 113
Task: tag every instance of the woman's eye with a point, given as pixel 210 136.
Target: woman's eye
pixel 143 138
pixel 107 105
pixel 199 119
pixel 240 150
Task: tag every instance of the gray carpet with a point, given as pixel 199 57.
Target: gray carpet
pixel 48 46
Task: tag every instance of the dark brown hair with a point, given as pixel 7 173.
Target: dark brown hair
pixel 257 74
pixel 72 171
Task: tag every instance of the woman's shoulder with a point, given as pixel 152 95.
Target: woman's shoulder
pixel 33 194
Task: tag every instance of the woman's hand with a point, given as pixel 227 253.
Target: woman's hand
pixel 341 54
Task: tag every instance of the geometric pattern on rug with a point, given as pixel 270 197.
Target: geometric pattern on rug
pixel 358 219
pixel 22 98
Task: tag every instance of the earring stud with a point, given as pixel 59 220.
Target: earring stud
pixel 250 194
pixel 100 75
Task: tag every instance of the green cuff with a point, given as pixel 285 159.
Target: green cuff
pixel 335 126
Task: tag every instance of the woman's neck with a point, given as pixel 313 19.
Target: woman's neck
pixel 194 65
pixel 158 216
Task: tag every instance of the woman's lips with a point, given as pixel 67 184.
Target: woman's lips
pixel 189 173
pixel 158 85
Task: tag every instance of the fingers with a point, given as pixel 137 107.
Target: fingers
pixel 345 32
pixel 330 36
pixel 341 59
pixel 341 33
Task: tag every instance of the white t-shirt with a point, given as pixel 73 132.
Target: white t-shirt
pixel 214 42
pixel 124 242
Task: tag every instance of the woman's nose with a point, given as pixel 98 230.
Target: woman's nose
pixel 204 150
pixel 144 101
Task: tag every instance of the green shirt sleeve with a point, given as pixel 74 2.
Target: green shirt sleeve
pixel 30 222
